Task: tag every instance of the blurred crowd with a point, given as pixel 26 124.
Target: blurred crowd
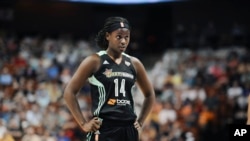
pixel 34 72
pixel 199 91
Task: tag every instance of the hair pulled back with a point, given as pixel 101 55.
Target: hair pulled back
pixel 111 24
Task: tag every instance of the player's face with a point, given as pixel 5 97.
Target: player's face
pixel 118 39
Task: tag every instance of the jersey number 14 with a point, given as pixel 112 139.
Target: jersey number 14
pixel 122 87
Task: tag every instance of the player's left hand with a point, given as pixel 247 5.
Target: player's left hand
pixel 137 125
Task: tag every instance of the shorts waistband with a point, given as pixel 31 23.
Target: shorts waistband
pixel 109 122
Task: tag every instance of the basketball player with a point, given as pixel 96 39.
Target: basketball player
pixel 112 74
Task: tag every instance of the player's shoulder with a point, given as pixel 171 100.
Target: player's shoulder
pixel 137 64
pixel 93 58
pixel 101 53
pixel 132 58
pixel 135 60
pixel 92 61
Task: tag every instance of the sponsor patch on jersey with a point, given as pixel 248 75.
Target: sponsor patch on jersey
pixel 121 102
pixel 111 101
pixel 109 73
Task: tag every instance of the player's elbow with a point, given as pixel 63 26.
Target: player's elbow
pixel 150 95
pixel 248 122
pixel 67 94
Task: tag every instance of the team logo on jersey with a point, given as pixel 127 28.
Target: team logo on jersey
pixel 127 63
pixel 109 73
pixel 121 102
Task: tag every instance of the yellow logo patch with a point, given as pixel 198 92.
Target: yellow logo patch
pixel 111 101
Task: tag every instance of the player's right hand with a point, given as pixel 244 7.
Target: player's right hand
pixel 92 125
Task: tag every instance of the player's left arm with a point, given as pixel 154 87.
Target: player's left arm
pixel 147 89
pixel 248 111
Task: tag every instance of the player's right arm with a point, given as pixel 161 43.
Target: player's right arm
pixel 87 67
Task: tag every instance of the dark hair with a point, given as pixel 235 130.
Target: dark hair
pixel 111 24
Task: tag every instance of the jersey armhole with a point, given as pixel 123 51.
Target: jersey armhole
pixel 98 67
pixel 133 65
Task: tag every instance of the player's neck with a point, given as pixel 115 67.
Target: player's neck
pixel 116 57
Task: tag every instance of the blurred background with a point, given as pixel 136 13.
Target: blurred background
pixel 196 54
